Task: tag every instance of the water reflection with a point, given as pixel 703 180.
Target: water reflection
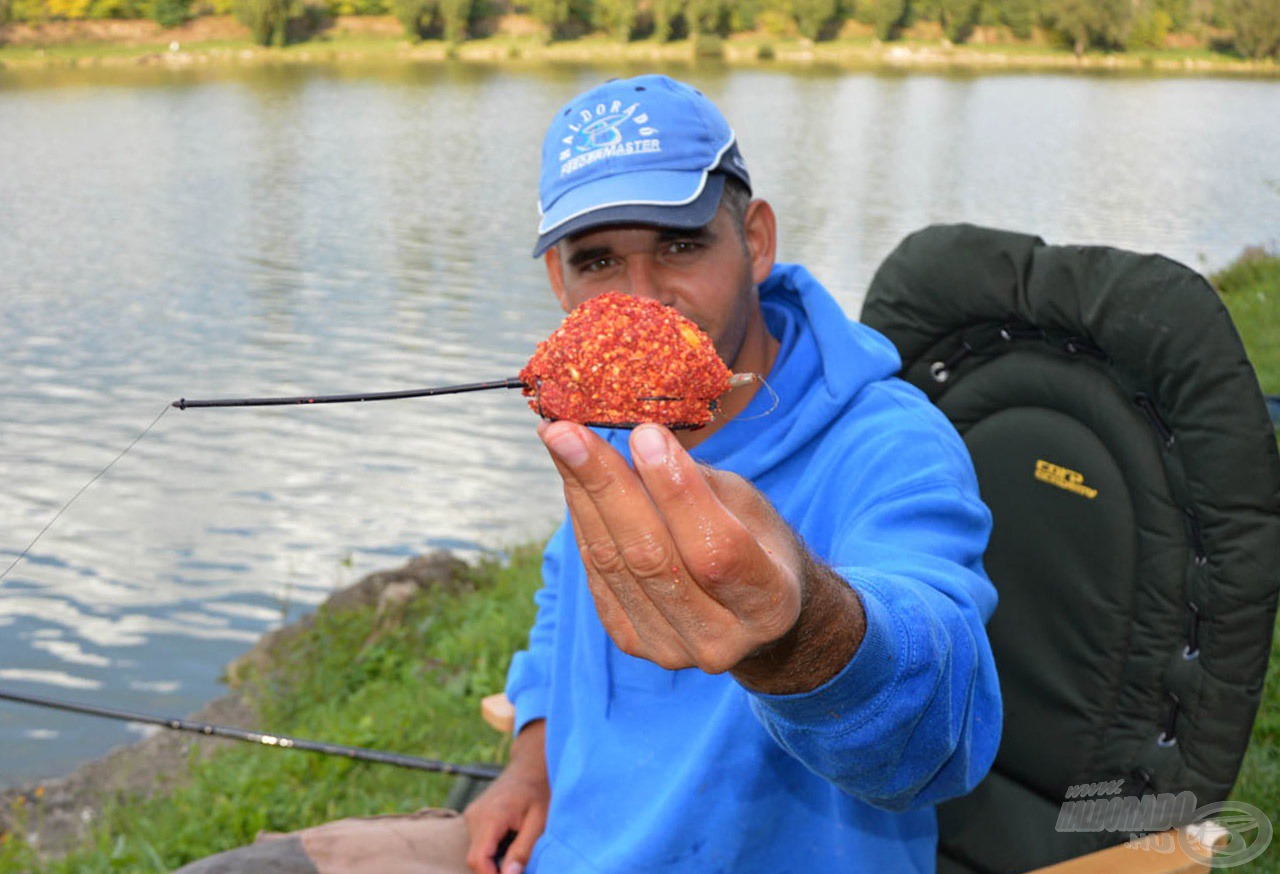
pixel 289 230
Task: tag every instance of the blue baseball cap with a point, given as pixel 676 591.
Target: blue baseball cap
pixel 648 150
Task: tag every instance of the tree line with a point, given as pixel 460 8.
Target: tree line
pixel 1250 28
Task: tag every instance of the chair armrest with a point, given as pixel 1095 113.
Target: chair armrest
pixel 1155 854
pixel 499 713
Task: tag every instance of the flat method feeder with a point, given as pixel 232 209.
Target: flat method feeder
pixel 615 362
pixel 735 380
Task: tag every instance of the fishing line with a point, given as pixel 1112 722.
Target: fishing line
pixel 83 489
pixel 776 400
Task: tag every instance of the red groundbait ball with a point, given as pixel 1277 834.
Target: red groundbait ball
pixel 620 361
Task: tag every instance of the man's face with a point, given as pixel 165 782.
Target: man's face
pixel 709 275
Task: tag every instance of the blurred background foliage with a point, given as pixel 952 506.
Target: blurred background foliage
pixel 1247 28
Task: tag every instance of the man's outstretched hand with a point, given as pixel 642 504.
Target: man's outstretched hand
pixel 692 567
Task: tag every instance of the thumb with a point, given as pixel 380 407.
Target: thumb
pixel 531 828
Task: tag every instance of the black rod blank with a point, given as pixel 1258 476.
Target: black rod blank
pixel 271 740
pixel 184 404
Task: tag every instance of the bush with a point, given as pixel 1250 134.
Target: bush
pixel 813 15
pixel 1018 15
pixel 456 15
pixel 744 15
pixel 1084 23
pixel 1256 268
pixel 551 14
pixel 1256 24
pixel 1179 12
pixel 267 20
pixel 1150 29
pixel 27 10
pixel 100 9
pixel 776 24
pixel 170 13
pixel 414 16
pixel 664 13
pixel 358 7
pixel 887 16
pixel 615 17
pixel 707 16
pixel 68 9
pixel 958 18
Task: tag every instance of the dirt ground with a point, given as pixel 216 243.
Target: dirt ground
pixel 121 32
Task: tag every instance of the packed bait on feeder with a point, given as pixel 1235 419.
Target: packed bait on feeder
pixel 615 362
pixel 618 361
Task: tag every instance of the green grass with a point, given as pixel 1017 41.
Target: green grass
pixel 412 687
pixel 415 687
pixel 854 50
pixel 1250 288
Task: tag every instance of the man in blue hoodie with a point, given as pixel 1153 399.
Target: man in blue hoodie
pixel 760 646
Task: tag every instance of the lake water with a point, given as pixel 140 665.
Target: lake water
pixel 297 230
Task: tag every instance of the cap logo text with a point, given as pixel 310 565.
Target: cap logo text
pixel 605 131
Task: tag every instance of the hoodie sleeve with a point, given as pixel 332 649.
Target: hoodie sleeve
pixel 529 677
pixel 915 716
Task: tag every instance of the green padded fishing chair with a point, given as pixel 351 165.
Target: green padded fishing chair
pixel 1123 445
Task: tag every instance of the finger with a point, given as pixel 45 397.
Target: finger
pixel 521 849
pixel 487 825
pixel 613 614
pixel 628 555
pixel 726 557
pixel 484 846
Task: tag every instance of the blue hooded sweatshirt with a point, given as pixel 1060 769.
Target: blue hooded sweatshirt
pixel 655 771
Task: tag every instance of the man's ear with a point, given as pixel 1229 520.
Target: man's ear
pixel 760 227
pixel 555 273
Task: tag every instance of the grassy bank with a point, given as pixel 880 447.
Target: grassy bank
pixel 1251 290
pixel 354 39
pixel 414 686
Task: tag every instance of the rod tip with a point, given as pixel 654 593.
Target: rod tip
pixel 180 403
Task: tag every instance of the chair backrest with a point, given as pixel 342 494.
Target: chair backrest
pixel 1123 445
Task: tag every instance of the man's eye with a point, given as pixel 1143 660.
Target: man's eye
pixel 682 247
pixel 597 265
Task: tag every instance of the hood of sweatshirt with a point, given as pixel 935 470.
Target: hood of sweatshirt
pixel 819 345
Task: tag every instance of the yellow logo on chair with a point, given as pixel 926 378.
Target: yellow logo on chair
pixel 1063 478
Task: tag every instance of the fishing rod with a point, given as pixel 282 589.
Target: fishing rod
pixel 361 754
pixel 184 404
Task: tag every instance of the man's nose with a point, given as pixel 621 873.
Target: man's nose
pixel 645 280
